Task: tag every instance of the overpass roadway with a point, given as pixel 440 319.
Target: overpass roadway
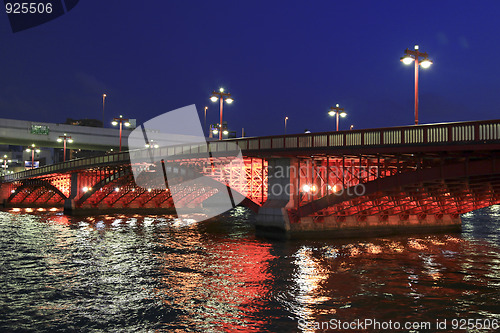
pixel 25 133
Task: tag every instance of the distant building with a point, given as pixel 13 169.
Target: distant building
pixel 84 122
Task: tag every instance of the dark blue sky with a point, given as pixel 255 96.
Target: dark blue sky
pixel 277 59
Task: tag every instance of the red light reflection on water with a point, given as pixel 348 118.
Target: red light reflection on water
pixel 59 219
pixel 230 280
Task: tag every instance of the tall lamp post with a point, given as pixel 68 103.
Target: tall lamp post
pixel 122 121
pixel 33 150
pixel 205 123
pixel 414 56
pixel 103 100
pixel 64 138
pixel 5 161
pixel 286 119
pixel 337 111
pixel 221 96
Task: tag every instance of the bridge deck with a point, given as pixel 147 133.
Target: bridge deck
pixel 459 136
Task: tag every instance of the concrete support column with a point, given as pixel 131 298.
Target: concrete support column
pixel 69 203
pixel 4 194
pixel 282 194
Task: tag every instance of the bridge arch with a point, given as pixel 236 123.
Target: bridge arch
pixel 35 184
pixel 103 183
pixel 455 171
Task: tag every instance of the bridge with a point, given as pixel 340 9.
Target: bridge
pixel 373 181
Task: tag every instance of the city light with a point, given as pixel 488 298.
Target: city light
pixel 205 122
pixel 337 111
pixel 33 150
pixel 222 96
pixel 414 56
pixel 151 144
pixel 309 188
pixel 122 121
pixel 103 102
pixel 65 138
pixel 426 63
pixel 4 166
pixel 407 60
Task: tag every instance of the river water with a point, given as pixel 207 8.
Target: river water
pixel 157 274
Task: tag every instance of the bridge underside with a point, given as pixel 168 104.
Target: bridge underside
pixel 347 196
pixel 114 188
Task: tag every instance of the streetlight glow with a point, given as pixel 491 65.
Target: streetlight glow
pixel 122 121
pixel 103 102
pixel 414 55
pixel 426 63
pixel 222 96
pixel 407 60
pixel 64 138
pixel 32 150
pixel 337 111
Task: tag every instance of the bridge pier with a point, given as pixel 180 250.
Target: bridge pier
pixel 281 196
pixel 69 203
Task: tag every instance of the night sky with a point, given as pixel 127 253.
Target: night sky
pixel 276 58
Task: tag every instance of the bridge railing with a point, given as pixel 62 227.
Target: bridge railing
pixel 435 134
pixel 446 133
pixel 81 163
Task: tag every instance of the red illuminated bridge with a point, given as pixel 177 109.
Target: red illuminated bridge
pixel 375 181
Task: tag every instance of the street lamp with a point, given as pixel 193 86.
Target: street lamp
pixel 221 96
pixel 413 56
pixel 286 119
pixel 103 100
pixel 33 149
pixel 122 121
pixel 337 111
pixel 152 144
pixel 64 138
pixel 5 161
pixel 205 123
